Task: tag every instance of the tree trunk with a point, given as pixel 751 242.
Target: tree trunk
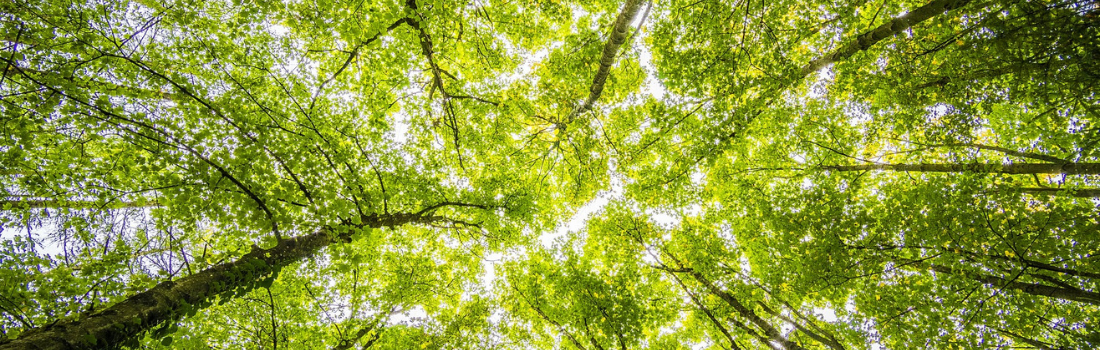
pixel 829 341
pixel 886 30
pixel 610 50
pixel 1063 293
pixel 710 315
pixel 1016 168
pixel 768 329
pixel 170 300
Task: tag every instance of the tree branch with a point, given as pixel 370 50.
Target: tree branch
pixel 893 27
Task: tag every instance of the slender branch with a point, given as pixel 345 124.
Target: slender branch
pixel 1011 152
pixel 831 343
pixel 11 57
pixel 274 325
pixel 75 204
pixel 475 98
pixel 427 48
pixel 547 318
pixel 741 309
pixel 1032 342
pixel 355 52
pixel 434 207
pixel 259 202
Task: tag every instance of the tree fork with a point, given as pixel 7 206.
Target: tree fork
pixel 170 300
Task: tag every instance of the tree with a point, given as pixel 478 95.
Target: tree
pixel 786 175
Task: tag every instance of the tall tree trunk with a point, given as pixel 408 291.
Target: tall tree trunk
pixel 826 339
pixel 768 328
pixel 610 50
pixel 886 30
pixel 1016 168
pixel 770 332
pixel 170 300
pixel 710 315
pixel 1063 293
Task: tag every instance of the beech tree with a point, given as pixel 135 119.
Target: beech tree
pixel 549 174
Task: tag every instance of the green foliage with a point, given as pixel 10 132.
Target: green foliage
pixel 717 194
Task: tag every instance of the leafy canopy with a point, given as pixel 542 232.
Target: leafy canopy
pixel 550 174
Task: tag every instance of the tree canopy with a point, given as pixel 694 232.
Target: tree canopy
pixel 551 174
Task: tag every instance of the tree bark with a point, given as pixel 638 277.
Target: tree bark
pixel 768 329
pixel 1063 293
pixel 170 300
pixel 830 341
pixel 1080 192
pixel 886 30
pixel 706 311
pixel 1016 168
pixel 610 50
